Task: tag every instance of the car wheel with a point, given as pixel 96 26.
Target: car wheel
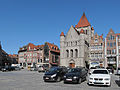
pixel 80 81
pixel 58 79
pixel 86 78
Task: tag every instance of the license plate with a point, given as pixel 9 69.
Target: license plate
pixel 69 79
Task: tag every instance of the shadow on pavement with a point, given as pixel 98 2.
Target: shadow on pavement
pixel 117 82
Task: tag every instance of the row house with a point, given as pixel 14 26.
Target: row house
pixel 41 54
pixel 97 50
pixel 4 58
pixel 14 58
pixel 112 49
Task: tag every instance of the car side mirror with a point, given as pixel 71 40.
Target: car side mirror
pixel 89 73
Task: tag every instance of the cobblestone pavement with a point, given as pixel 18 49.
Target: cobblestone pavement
pixel 31 80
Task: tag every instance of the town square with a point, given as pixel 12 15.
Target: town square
pixel 64 45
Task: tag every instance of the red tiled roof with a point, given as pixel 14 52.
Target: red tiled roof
pixel 53 47
pixel 62 34
pixel 83 22
pixel 101 36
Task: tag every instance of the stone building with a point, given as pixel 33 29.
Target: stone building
pixel 97 50
pixel 74 46
pixel 112 49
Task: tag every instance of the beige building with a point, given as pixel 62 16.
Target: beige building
pixel 97 50
pixel 74 46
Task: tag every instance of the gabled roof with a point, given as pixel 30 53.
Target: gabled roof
pixel 83 22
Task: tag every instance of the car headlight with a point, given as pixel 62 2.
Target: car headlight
pixel 64 76
pixel 54 75
pixel 75 77
pixel 106 79
pixel 91 78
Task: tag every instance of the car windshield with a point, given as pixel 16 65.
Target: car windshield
pixel 73 70
pixel 53 69
pixel 100 72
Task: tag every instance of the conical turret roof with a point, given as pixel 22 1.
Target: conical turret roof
pixel 83 22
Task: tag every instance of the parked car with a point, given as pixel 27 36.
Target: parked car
pixel 41 69
pixel 110 69
pixel 6 68
pixel 118 71
pixel 75 75
pixel 91 69
pixel 17 68
pixel 33 69
pixel 54 74
pixel 99 77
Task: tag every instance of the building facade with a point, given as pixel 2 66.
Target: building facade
pixel 74 46
pixel 97 50
pixel 14 58
pixel 112 49
pixel 4 58
pixel 31 55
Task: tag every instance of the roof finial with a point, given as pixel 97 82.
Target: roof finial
pixel 83 13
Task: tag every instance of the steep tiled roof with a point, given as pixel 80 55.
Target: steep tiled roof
pixel 83 22
pixel 53 47
pixel 62 34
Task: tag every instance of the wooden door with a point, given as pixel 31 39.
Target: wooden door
pixel 72 65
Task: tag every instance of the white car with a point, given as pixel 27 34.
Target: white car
pixel 99 77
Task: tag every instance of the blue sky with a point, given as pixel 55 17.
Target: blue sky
pixel 40 21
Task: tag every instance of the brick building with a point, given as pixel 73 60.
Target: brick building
pixel 112 49
pixel 14 58
pixel 4 57
pixel 31 54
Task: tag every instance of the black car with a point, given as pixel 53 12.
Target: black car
pixel 75 75
pixel 6 68
pixel 110 69
pixel 54 74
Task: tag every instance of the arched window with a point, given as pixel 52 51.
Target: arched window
pixel 76 53
pixel 71 52
pixel 67 53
